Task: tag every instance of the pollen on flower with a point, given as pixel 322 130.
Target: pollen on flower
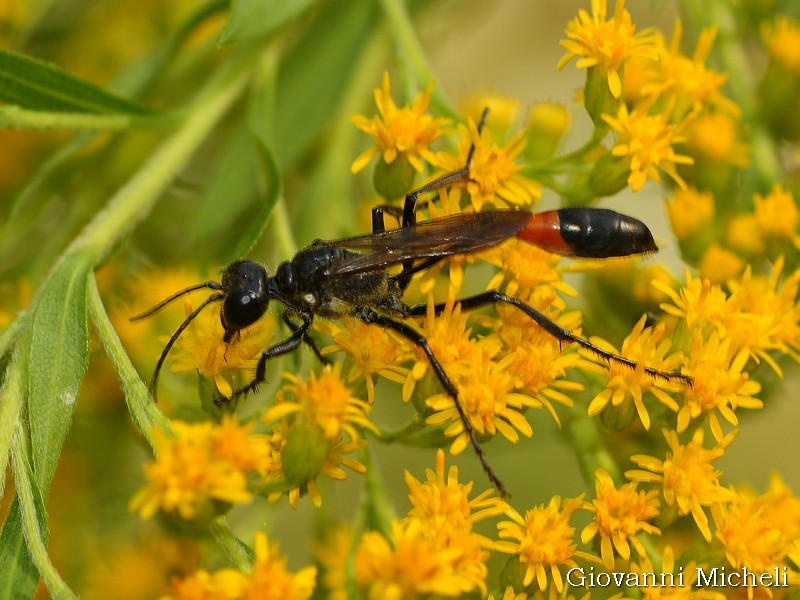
pixel 494 174
pixel 203 463
pixel 646 346
pixel 596 40
pixel 648 140
pixel 761 532
pixel 201 348
pixel 689 481
pixel 406 131
pixel 268 578
pixel 619 514
pixel 543 541
pixel 434 549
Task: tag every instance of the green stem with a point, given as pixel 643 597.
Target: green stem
pixel 589 448
pixel 134 201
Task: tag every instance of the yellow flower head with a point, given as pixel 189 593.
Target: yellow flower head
pixel 489 402
pixel 716 136
pixel 374 351
pixel 687 79
pixel 326 401
pixel 598 41
pixel 268 578
pixel 202 464
pixel 647 346
pixel 689 480
pixel 782 41
pixel 698 303
pixel 406 131
pixel 619 514
pixel 647 140
pixel 720 265
pixel 543 541
pixel 761 533
pixel 777 215
pixel 690 211
pixel 494 176
pixel 201 348
pixel 415 564
pixel 443 503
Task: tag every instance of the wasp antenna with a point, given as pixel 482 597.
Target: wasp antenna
pixel 212 298
pixel 213 285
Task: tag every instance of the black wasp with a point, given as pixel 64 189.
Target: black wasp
pixel 350 277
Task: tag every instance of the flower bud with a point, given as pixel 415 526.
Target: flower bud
pixel 548 122
pixel 393 180
pixel 305 452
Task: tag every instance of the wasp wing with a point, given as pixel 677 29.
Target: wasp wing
pixel 462 233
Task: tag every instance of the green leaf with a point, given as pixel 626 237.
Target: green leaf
pixel 20 576
pixel 313 78
pixel 58 356
pixel 36 85
pixel 268 197
pixel 255 19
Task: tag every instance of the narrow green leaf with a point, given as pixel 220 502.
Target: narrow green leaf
pixel 34 523
pixel 313 78
pixel 33 84
pixel 255 19
pixel 58 356
pixel 267 198
pixel 19 573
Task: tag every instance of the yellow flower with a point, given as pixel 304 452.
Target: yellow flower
pixel 201 348
pixel 742 234
pixel 619 514
pixel 326 401
pixel 716 136
pixel 489 402
pixel 494 175
pixel 269 577
pixel 719 383
pixel 319 423
pixel 443 503
pixel 698 303
pixel 449 338
pixel 406 131
pixel 761 533
pixel 225 584
pixel 331 553
pixel 543 542
pixel 720 265
pixel 374 351
pixel 687 78
pixel 782 41
pixel 648 140
pixel 769 314
pixel 678 585
pixel 203 463
pixel 689 481
pixel 777 215
pixel 598 41
pixel 647 346
pixel 690 211
pixel 412 563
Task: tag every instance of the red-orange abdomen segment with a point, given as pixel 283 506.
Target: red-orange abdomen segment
pixel 588 233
